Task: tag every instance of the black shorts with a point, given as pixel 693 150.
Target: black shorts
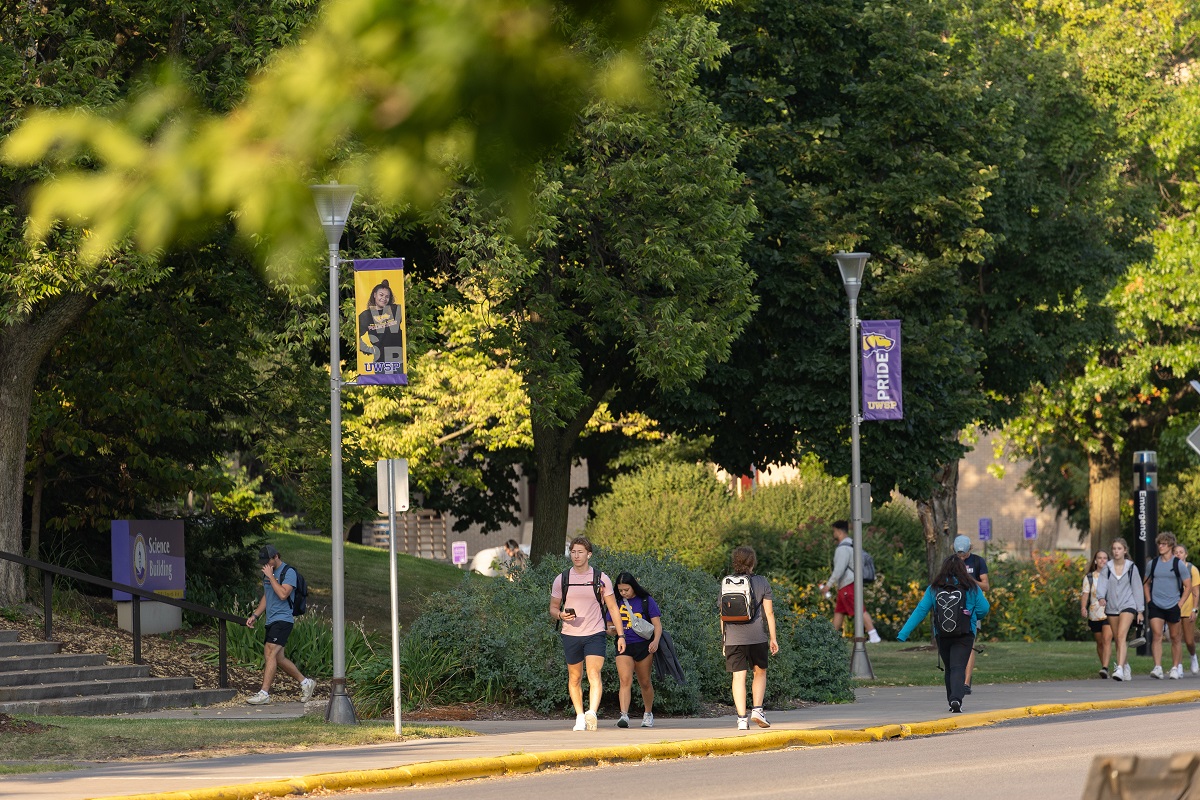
pixel 1097 625
pixel 739 657
pixel 576 648
pixel 638 651
pixel 1168 615
pixel 1112 614
pixel 278 633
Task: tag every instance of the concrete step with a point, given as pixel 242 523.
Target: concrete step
pixel 9 635
pixel 106 672
pixel 53 661
pixel 8 649
pixel 49 691
pixel 117 703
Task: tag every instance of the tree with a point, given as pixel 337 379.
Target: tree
pixel 90 56
pixel 413 84
pixel 629 270
pixel 861 131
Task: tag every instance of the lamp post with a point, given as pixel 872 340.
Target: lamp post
pixel 851 266
pixel 333 207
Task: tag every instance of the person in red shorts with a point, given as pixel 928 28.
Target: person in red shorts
pixel 843 578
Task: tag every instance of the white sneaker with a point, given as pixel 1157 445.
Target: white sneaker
pixel 590 721
pixel 648 720
pixel 1128 673
pixel 1156 673
pixel 873 637
pixel 260 699
pixel 1118 673
pixel 743 724
pixel 623 722
pixel 1176 672
pixel 759 718
pixel 1195 665
pixel 580 723
pixel 307 687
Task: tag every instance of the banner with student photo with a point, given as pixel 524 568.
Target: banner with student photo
pixel 881 373
pixel 382 342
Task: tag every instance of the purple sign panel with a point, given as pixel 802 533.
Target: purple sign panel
pixel 881 398
pixel 985 529
pixel 1031 527
pixel 148 554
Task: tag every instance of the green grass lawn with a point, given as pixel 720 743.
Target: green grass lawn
pixel 367 581
pixel 908 664
pixel 74 739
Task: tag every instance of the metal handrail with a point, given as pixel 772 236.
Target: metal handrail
pixel 48 570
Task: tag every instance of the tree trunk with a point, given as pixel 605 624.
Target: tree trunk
pixel 1104 498
pixel 552 455
pixel 939 517
pixel 22 348
pixel 35 522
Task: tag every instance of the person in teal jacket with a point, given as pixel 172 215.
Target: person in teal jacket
pixel 954 650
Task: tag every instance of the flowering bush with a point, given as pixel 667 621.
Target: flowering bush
pixel 1038 600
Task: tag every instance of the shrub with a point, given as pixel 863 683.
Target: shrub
pixel 429 674
pixel 1038 600
pixel 506 642
pixel 667 508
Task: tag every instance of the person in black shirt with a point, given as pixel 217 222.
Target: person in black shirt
pixel 977 569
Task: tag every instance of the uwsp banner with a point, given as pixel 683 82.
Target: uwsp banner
pixel 881 396
pixel 379 304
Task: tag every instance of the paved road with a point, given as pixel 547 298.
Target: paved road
pixel 1045 758
pixel 874 706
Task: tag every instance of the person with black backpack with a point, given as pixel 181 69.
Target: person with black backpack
pixel 279 605
pixel 957 604
pixel 1163 600
pixel 581 598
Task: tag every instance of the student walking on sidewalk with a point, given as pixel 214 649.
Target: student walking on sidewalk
pixel 1092 610
pixel 1164 597
pixel 581 598
pixel 750 644
pixel 1119 588
pixel 1189 607
pixel 957 604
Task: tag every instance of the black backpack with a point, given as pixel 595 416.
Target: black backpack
pixel 951 617
pixel 597 589
pixel 298 599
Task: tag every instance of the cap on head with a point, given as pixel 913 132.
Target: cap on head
pixel 962 544
pixel 266 554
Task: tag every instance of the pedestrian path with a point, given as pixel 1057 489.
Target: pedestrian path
pixel 524 745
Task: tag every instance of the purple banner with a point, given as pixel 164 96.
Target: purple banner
pixel 881 370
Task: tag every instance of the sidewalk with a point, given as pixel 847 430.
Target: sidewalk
pixel 880 712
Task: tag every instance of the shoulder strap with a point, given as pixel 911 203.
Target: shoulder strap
pixel 282 575
pixel 1178 577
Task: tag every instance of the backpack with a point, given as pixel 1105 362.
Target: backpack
pixel 869 574
pixel 1174 568
pixel 951 617
pixel 298 599
pixel 597 589
pixel 738 605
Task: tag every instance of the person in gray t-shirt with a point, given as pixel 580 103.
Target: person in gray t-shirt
pixel 1168 581
pixel 748 643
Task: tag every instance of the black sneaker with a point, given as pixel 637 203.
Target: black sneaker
pixel 1104 672
pixel 966 688
pixel 956 706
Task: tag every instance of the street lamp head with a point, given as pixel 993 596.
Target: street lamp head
pixel 852 266
pixel 333 207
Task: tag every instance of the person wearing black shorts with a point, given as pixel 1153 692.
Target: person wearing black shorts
pixel 1092 610
pixel 275 607
pixel 750 644
pixel 638 608
pixel 1167 582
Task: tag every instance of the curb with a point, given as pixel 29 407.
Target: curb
pixel 432 772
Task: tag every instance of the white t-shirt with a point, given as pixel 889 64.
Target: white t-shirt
pixel 1095 611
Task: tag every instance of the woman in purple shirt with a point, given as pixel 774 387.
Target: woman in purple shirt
pixel 637 604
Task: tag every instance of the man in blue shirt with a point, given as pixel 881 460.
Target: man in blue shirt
pixel 279 581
